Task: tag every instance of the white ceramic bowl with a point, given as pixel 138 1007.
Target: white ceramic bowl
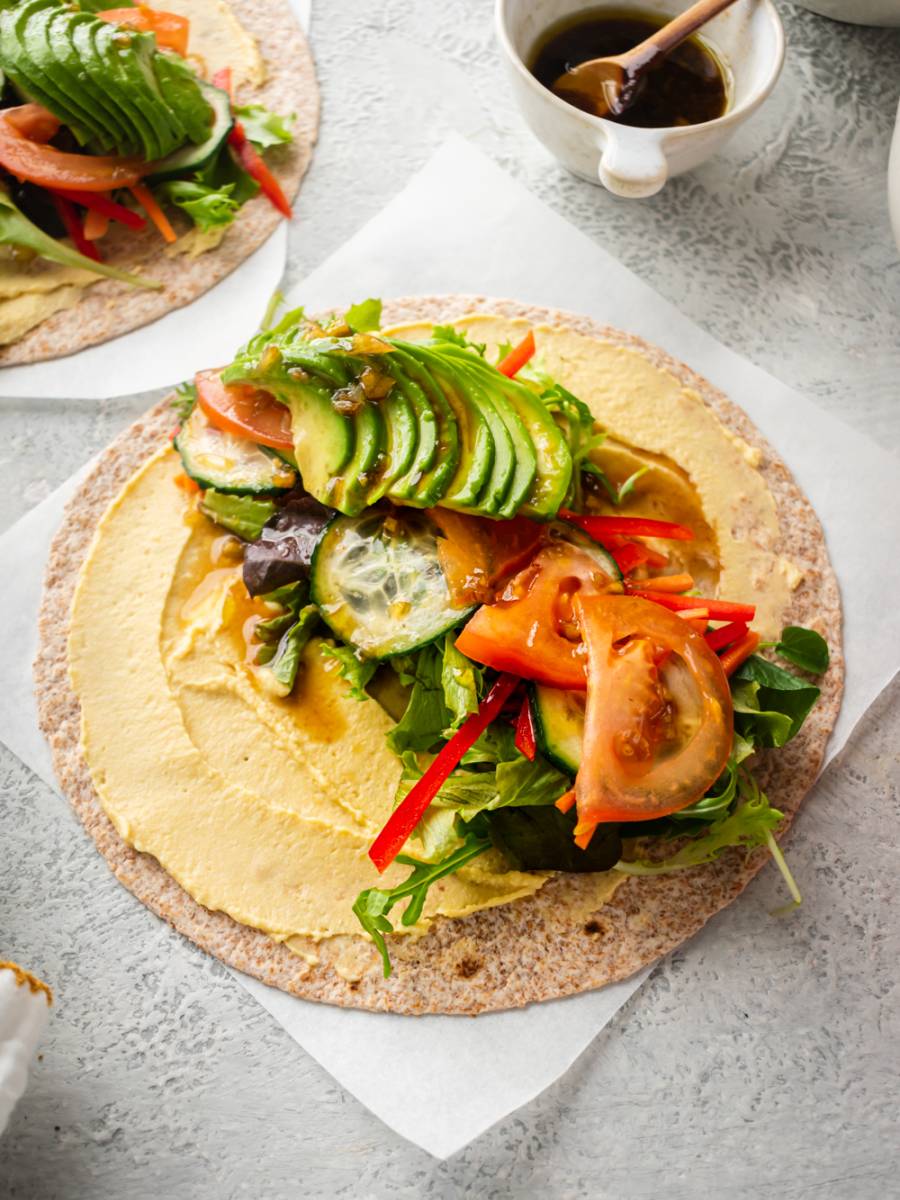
pixel 894 182
pixel 857 12
pixel 629 161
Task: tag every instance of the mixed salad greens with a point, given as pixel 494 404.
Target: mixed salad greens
pixel 437 518
pixel 104 118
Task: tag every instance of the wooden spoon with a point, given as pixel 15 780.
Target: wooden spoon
pixel 610 85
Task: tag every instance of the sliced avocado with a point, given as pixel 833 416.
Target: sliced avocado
pixel 23 55
pixel 130 55
pixel 424 485
pixel 476 442
pixel 425 442
pixel 496 488
pixel 323 438
pixel 333 372
pixel 526 455
pixel 180 90
pixel 401 434
pixel 107 41
pixel 554 459
pixel 71 48
pixel 193 158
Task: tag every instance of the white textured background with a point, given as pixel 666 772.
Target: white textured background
pixel 732 1073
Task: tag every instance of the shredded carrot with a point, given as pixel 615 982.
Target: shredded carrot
pixel 565 802
pixel 95 225
pixel 738 653
pixel 582 840
pixel 186 483
pixel 668 583
pixel 147 201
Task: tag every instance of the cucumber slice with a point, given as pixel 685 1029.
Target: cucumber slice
pixel 379 585
pixel 577 537
pixel 219 460
pixel 559 724
pixel 192 158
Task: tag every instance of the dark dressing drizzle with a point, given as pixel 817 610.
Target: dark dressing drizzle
pixel 688 88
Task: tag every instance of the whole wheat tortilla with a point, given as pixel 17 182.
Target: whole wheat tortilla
pixel 503 957
pixel 108 309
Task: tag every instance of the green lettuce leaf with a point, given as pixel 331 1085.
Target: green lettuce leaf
pixel 446 333
pixel 373 905
pixel 286 659
pixel 263 127
pixel 185 401
pixel 17 230
pixel 355 671
pixel 208 207
pixel 445 690
pixel 364 317
pixel 243 516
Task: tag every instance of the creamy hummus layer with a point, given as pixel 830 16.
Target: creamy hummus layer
pixel 264 808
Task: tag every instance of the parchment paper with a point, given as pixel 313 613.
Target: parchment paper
pixel 496 238
pixel 160 355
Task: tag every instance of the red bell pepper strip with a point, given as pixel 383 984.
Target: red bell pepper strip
pixel 518 356
pixel 738 653
pixel 72 222
pixel 599 527
pixel 97 202
pixel 254 166
pixel 629 557
pixel 408 813
pixel 719 610
pixel 718 639
pixel 526 742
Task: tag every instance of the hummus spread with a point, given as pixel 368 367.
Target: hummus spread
pixel 31 292
pixel 264 807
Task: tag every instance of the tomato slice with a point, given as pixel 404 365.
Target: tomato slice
pixel 244 411
pixel 171 29
pixel 33 121
pixel 53 168
pixel 530 630
pixel 658 721
pixel 476 553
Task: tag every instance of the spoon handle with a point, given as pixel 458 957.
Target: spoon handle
pixel 673 34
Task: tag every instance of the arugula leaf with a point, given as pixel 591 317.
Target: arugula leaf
pixel 750 824
pixel 446 333
pixel 542 839
pixel 184 402
pixel 770 704
pixel 356 671
pixel 805 648
pixel 17 230
pixel 208 207
pixel 373 904
pixel 263 127
pixel 364 317
pixel 240 515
